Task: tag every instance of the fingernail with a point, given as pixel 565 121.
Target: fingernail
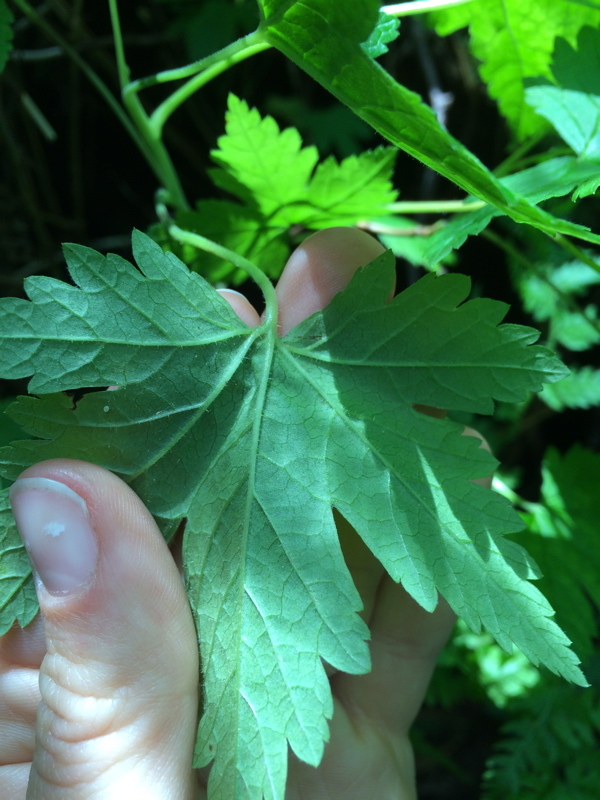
pixel 55 526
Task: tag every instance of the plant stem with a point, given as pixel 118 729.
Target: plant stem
pixel 257 275
pixel 435 206
pixel 419 7
pixel 151 127
pixel 156 153
pixel 579 254
pixel 233 54
pixel 508 165
pixel 179 73
pixel 499 486
pixel 88 72
pixel 122 66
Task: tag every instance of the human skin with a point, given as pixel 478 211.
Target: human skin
pixel 99 694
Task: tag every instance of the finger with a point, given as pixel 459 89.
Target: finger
pixel 23 647
pixel 320 268
pixel 21 653
pixel 13 781
pixel 19 700
pixel 119 681
pixel 242 307
pixel 405 642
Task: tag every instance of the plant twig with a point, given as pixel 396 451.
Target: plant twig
pixel 435 206
pixel 419 7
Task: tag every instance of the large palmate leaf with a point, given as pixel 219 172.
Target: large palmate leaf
pixel 326 38
pixel 255 438
pixel 19 601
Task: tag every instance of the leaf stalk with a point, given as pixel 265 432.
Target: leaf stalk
pixel 435 206
pixel 254 272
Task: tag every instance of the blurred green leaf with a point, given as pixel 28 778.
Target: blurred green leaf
pixel 6 34
pixel 563 537
pixel 580 389
pixel 546 295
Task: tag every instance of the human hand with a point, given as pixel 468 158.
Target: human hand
pixel 113 662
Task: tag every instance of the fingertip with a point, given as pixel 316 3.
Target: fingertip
pixel 121 669
pixel 320 268
pixel 242 307
pixel 123 570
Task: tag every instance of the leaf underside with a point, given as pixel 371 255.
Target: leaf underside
pixel 254 439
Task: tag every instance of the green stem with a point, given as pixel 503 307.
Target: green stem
pixel 203 71
pixel 435 206
pixel 122 66
pixel 233 54
pixel 508 248
pixel 257 275
pixel 419 7
pixel 508 165
pixel 516 499
pixel 88 72
pixel 156 153
pixel 579 254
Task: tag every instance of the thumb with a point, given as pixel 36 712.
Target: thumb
pixel 119 682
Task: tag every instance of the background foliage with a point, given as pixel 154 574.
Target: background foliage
pixel 521 100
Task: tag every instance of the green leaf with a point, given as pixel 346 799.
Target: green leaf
pixel 587 188
pixel 563 530
pixel 254 438
pixel 358 188
pixel 574 115
pixel 580 389
pixel 276 180
pixel 325 38
pixel 18 600
pixel 9 430
pixel 549 747
pixel 514 40
pixel 545 295
pixel 386 30
pixel 573 107
pixel 6 34
pixel 553 178
pixel 578 68
pixel 577 330
pixel 270 171
pixel 263 164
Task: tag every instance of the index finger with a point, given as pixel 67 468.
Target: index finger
pixel 320 268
